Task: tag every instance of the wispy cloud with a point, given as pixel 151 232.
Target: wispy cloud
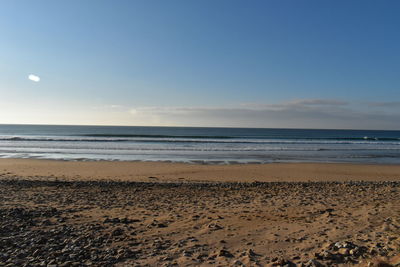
pixel 389 104
pixel 303 113
pixel 318 102
pixel 298 104
pixel 110 107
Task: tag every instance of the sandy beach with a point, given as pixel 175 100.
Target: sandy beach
pixel 172 172
pixel 59 213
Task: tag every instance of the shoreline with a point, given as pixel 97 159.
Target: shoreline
pixel 40 169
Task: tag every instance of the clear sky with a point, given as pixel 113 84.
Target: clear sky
pixel 270 63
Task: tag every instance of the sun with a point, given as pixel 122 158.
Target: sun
pixel 34 78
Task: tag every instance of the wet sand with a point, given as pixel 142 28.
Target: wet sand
pixel 144 214
pixel 170 172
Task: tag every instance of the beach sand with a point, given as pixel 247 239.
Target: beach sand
pixel 169 172
pixel 57 213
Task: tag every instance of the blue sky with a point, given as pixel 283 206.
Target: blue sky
pixel 308 64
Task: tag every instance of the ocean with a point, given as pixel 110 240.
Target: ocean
pixel 198 145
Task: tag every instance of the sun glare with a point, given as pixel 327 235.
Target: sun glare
pixel 34 78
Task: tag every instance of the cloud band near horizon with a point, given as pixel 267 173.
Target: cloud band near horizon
pixel 304 113
pixel 301 113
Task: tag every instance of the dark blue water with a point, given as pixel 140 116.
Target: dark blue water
pixel 198 145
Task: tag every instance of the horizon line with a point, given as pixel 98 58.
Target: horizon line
pixel 216 127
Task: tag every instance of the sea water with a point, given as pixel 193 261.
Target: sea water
pixel 198 145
